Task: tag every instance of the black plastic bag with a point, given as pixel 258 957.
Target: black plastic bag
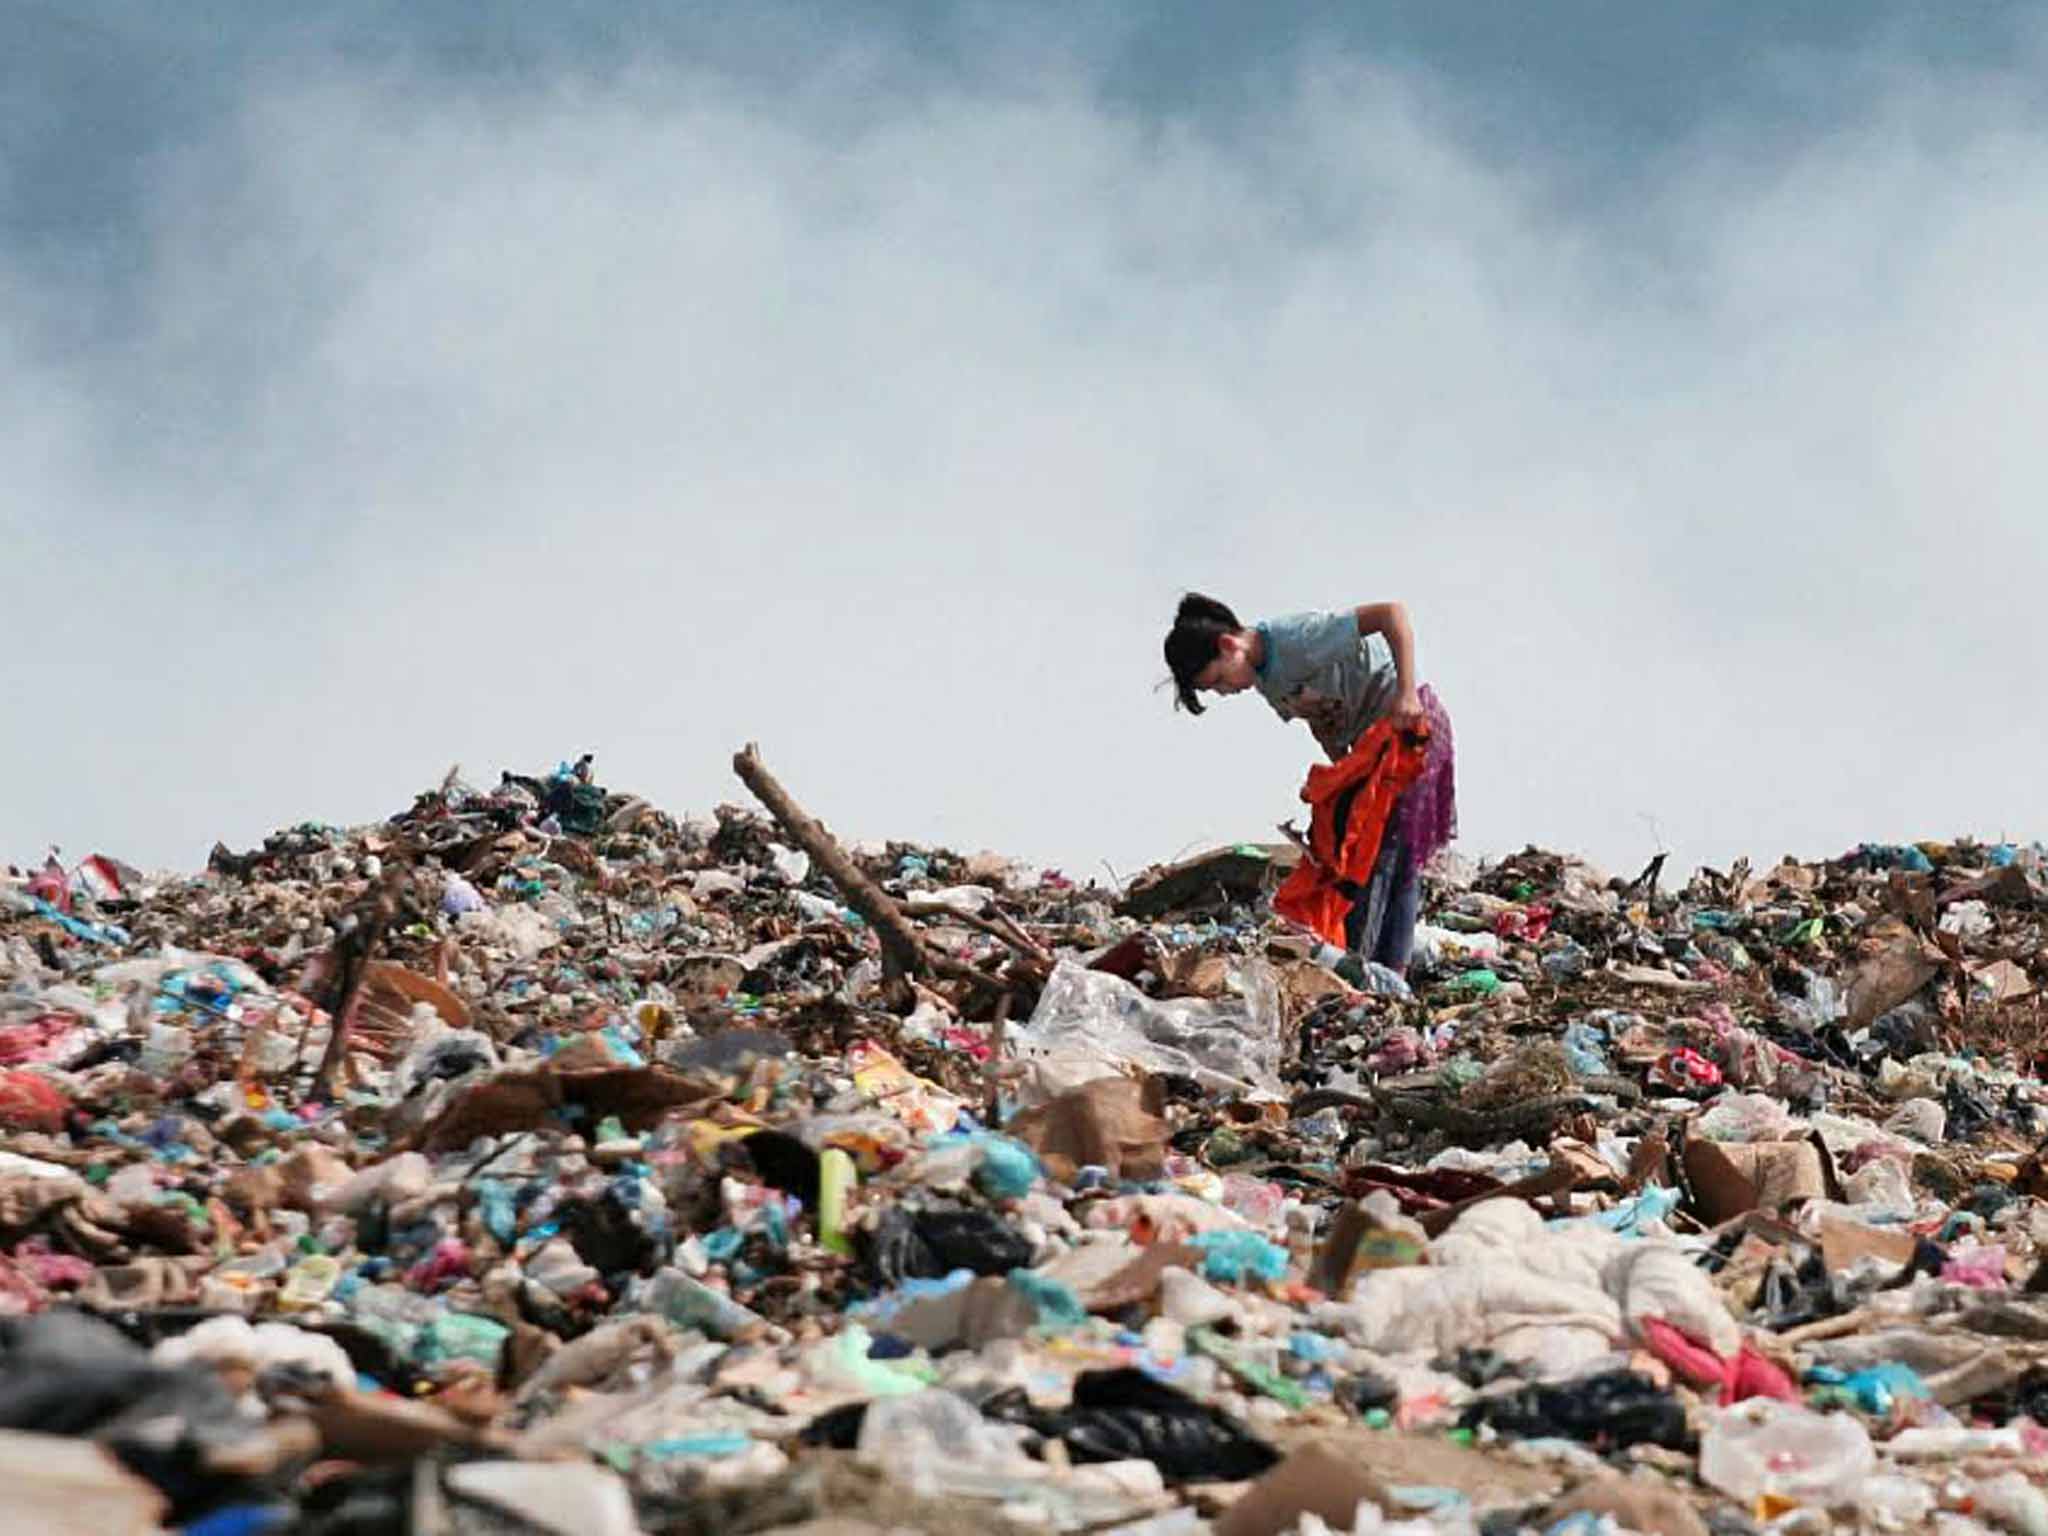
pixel 1612 1410
pixel 1125 1415
pixel 931 1244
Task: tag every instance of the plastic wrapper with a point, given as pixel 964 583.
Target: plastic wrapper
pixel 927 1432
pixel 1231 1044
pixel 1747 1117
pixel 1783 1451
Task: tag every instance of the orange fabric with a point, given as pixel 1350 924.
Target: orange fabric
pixel 1383 763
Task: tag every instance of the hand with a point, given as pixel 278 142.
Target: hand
pixel 1408 713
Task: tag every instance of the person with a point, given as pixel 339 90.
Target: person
pixel 1340 672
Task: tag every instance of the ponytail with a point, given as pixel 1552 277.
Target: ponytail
pixel 1199 625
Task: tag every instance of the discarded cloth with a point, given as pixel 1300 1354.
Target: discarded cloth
pixel 1351 803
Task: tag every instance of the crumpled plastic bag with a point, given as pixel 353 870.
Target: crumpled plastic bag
pixel 1232 1044
pixel 522 930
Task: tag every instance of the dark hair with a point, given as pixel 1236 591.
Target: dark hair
pixel 1199 625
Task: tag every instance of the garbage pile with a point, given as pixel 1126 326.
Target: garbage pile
pixel 537 1161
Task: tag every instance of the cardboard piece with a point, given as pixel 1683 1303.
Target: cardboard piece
pixel 310 1176
pixel 2004 887
pixel 1729 1178
pixel 1140 1279
pixel 1893 964
pixel 1240 872
pixel 1843 1242
pixel 1192 973
pixel 1109 1123
pixel 1318 1479
pixel 2002 981
pixel 974 1315
pixel 529 1098
pixel 371 1426
pixel 1360 1240
pixel 389 992
pixel 1636 1503
pixel 1741 1279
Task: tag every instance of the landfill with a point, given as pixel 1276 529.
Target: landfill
pixel 535 1160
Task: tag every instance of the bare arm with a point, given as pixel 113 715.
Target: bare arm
pixel 1391 621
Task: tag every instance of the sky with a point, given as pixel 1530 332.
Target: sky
pixel 390 386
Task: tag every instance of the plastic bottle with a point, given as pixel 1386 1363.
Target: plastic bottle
pixel 690 1304
pixel 836 1177
pixel 1786 1452
pixel 1938 1443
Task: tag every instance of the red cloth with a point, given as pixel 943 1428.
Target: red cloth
pixel 1383 763
pixel 1748 1375
pixel 30 1103
pixel 1752 1375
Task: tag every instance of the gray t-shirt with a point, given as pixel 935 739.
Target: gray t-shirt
pixel 1319 665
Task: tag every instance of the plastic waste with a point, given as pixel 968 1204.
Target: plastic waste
pixel 836 1179
pixel 462 1336
pixel 459 896
pixel 1226 1044
pixel 1879 1390
pixel 1234 1257
pixel 1883 1186
pixel 1941 1442
pixel 1636 1216
pixel 1924 1120
pixel 1007 1168
pixel 1981 1267
pixel 1125 1415
pixel 1056 1305
pixel 1367 976
pixel 927 1433
pixel 1613 1409
pixel 1585 1050
pixel 551 1496
pixel 165 1048
pixel 1189 1300
pixel 309 1282
pixel 2013 1503
pixel 689 1303
pixel 1746 1117
pixel 932 1243
pixel 1786 1452
pixel 1478 982
pixel 1894 1503
pixel 844 1363
pixel 1567 961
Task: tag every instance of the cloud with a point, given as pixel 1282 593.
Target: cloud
pixel 656 412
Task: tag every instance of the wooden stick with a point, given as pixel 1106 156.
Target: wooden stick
pixel 903 952
pixel 362 935
pixel 998 1031
pixel 1005 930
